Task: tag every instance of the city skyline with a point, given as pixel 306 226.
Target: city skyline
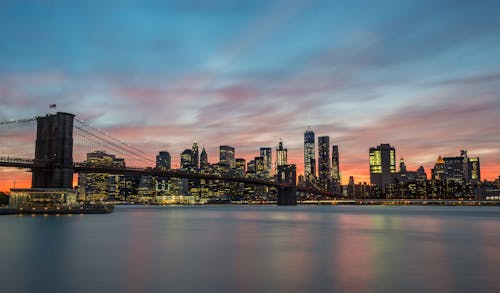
pixel 420 75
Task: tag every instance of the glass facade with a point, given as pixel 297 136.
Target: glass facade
pixel 382 165
pixel 309 155
pixel 226 155
pixel 324 162
pixel 42 198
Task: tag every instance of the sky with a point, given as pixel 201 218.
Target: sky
pixel 422 75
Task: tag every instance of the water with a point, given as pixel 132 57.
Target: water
pixel 254 249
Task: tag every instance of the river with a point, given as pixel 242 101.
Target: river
pixel 254 249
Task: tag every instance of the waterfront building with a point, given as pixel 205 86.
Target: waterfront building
pixel 203 159
pixel 163 160
pixel 461 169
pixel 281 155
pixel 101 186
pixel 324 173
pixel 382 165
pixel 266 154
pixel 226 156
pixel 309 156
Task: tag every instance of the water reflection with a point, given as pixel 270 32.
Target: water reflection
pixel 254 249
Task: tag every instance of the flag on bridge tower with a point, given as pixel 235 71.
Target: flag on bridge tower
pixel 52 106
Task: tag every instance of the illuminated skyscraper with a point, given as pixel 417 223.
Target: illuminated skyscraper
pixel 196 156
pixel 163 160
pixel 461 169
pixel 382 165
pixel 266 154
pixel 439 171
pixel 309 156
pixel 324 173
pixel 474 170
pixel 281 155
pixel 203 159
pixel 226 155
pixel 187 159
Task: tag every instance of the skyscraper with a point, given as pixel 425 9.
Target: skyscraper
pixel 382 165
pixel 474 170
pixel 203 159
pixel 187 159
pixel 281 155
pixel 240 166
pixel 324 162
pixel 335 164
pixel 439 171
pixel 266 154
pixel 309 157
pixel 196 156
pixel 226 155
pixel 461 169
pixel 163 160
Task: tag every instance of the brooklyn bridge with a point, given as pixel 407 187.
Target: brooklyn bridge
pixel 61 137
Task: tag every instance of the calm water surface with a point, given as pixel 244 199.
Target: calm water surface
pixel 254 249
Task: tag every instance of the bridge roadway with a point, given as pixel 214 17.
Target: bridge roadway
pixel 84 168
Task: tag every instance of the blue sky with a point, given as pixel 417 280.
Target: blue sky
pixel 421 75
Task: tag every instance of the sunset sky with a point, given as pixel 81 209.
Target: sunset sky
pixel 423 76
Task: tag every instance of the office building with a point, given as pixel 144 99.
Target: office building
pixel 335 164
pixel 382 165
pixel 309 156
pixel 195 155
pixel 281 155
pixel 203 159
pixel 187 159
pixel 163 160
pixel 324 173
pixel 266 154
pixel 226 156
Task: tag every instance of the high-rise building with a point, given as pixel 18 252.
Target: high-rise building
pixel 439 171
pixel 266 154
pixel 281 155
pixel 196 155
pixel 324 173
pixel 461 169
pixel 226 155
pixel 163 160
pixel 203 159
pixel 335 164
pixel 309 156
pixel 474 170
pixel 454 169
pixel 187 159
pixel 101 186
pixel 382 165
pixel 240 166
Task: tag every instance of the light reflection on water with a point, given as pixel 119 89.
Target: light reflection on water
pixel 254 249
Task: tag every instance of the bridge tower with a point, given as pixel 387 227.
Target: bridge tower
pixel 54 145
pixel 287 195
